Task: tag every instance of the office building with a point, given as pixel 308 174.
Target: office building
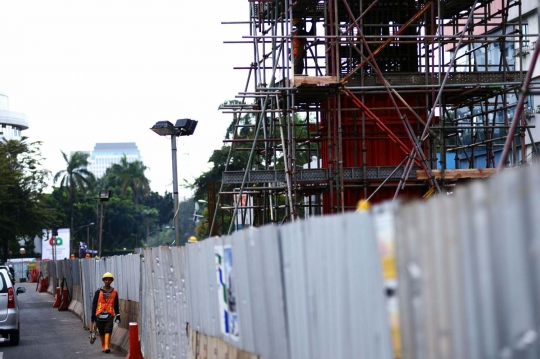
pixel 11 123
pixel 106 154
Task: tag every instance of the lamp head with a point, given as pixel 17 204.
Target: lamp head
pixel 164 128
pixel 186 126
pixel 104 195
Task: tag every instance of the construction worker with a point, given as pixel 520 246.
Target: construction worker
pixel 363 205
pixel 105 311
pixel 192 239
pixel 299 43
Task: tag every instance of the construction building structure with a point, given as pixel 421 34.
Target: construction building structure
pixel 396 98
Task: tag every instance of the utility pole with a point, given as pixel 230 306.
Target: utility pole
pixel 176 218
pixel 104 195
pixel 100 230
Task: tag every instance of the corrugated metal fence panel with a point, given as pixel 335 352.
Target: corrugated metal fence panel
pixel 202 294
pixel 334 293
pixel 68 272
pixel 148 342
pixel 298 299
pixel 87 288
pixel 178 269
pixel 192 294
pixel 76 272
pixel 512 294
pixel 135 278
pixel 533 245
pixel 409 280
pixel 469 273
pixel 266 301
pixel 59 270
pixel 185 297
pixel 209 308
pixel 159 260
pixel 163 304
pixel 240 278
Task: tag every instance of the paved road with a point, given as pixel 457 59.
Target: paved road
pixel 48 333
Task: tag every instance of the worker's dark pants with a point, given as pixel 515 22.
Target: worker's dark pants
pixel 298 64
pixel 105 326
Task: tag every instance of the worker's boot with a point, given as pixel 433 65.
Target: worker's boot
pixel 107 342
pixel 102 339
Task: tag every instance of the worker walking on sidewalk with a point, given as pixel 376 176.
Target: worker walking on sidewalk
pixel 105 311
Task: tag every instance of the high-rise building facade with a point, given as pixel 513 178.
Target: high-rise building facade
pixel 105 155
pixel 11 123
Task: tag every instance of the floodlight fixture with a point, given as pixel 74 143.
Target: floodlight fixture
pixel 182 127
pixel 186 126
pixel 165 128
pixel 104 195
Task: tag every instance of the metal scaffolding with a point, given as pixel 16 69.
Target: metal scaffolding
pixel 391 98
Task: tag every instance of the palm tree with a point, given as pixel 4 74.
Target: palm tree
pixel 75 178
pixel 130 175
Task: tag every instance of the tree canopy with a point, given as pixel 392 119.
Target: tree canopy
pixel 130 178
pixel 23 207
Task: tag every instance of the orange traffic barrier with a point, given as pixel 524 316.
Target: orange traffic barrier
pixel 34 273
pixel 43 284
pixel 58 298
pixel 65 300
pixel 134 345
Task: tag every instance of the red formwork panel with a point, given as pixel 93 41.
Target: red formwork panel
pixel 380 149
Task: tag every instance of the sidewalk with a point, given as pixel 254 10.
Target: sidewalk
pixel 48 333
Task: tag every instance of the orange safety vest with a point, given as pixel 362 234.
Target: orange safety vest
pixel 106 305
pixel 298 46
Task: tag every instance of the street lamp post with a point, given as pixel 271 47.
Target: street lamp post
pixel 104 196
pixel 176 218
pixel 182 127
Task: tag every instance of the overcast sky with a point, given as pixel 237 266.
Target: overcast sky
pixel 106 71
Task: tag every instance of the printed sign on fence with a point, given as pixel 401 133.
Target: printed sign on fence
pixel 226 292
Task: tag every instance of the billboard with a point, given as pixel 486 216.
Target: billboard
pixel 58 248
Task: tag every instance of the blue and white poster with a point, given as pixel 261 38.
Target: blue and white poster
pixel 226 292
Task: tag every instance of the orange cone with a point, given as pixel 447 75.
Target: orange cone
pixel 134 345
pixel 64 305
pixel 43 285
pixel 58 298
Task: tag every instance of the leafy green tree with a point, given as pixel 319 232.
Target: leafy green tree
pixel 130 177
pixel 151 216
pixel 123 225
pixel 163 234
pixel 187 223
pixel 75 177
pixel 23 205
pixel 76 180
pixel 164 205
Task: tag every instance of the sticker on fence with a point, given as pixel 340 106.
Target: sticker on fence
pixel 226 292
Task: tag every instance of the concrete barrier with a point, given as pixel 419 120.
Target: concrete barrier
pixel 76 305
